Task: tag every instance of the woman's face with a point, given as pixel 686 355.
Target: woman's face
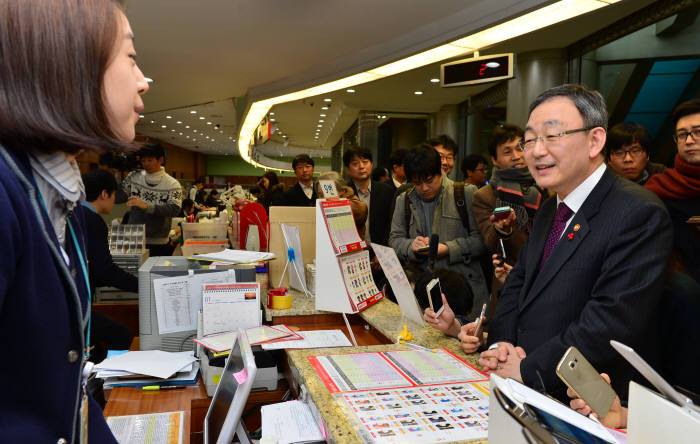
pixel 265 183
pixel 124 84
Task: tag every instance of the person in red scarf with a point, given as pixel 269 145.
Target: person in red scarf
pixel 679 187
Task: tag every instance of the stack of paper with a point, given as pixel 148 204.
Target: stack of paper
pixel 235 256
pixel 290 422
pixel 312 339
pixel 222 342
pixel 148 367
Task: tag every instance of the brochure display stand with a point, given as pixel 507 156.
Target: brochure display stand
pixel 344 281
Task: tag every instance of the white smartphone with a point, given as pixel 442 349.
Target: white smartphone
pixel 434 292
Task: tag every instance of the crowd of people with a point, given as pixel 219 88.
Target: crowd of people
pixel 591 240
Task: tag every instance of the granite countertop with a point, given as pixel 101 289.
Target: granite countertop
pixel 302 305
pixel 386 317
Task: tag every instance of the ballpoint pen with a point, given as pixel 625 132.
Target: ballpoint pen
pixel 163 387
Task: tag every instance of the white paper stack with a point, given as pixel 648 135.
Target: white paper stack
pixel 148 367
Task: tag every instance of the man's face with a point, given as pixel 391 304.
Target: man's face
pixel 509 155
pixel 399 173
pixel 629 161
pixel 562 164
pixel 108 202
pixel 151 164
pixel 689 146
pixel 304 172
pixel 447 158
pixel 359 168
pixel 428 188
pixel 479 175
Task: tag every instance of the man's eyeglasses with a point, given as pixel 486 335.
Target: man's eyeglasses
pixel 682 136
pixel 621 154
pixel 550 139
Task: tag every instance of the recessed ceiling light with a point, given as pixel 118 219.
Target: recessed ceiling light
pixel 434 80
pixel 327 100
pixel 208 123
pixel 322 115
pixel 168 117
pixel 221 132
pixel 194 139
pixel 284 136
pixel 149 80
pixel 193 112
pixel 321 120
pixel 194 131
pixel 153 121
pixel 179 122
pixel 187 137
pixel 163 126
pixel 418 93
pixel 324 107
pixel 172 130
pixel 319 126
pixel 187 126
pixel 230 137
pixel 181 134
pixel 201 117
pixel 493 65
pixel 140 116
pixel 272 114
pixel 350 91
pixel 272 120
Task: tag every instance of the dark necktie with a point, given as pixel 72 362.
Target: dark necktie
pixel 560 217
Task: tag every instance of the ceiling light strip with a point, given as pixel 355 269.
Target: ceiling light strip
pixel 532 21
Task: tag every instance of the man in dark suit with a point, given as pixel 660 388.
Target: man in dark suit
pixel 398 175
pixel 592 268
pixel 303 194
pixel 377 195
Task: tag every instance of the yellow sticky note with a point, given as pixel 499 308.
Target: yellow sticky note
pixel 216 378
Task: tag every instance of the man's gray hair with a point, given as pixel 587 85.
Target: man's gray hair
pixel 590 103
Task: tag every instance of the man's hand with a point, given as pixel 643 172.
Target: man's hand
pixel 511 367
pixel 616 417
pixel 505 225
pixel 491 359
pixel 418 243
pixel 443 250
pixel 470 343
pixel 500 270
pixel 135 201
pixel 446 322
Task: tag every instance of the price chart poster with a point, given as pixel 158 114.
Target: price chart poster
pixel 341 226
pixel 392 369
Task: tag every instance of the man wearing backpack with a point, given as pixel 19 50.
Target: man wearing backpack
pixel 436 205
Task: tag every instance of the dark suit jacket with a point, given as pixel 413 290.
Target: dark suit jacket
pixel 380 206
pixel 602 281
pixel 102 269
pixel 294 197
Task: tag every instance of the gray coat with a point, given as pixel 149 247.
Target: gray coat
pixel 465 248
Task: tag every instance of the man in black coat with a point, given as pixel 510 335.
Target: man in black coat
pixel 100 189
pixel 303 194
pixel 592 268
pixel 377 195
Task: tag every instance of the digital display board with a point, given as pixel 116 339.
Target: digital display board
pixel 477 70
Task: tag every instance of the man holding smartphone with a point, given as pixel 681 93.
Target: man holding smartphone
pixel 592 267
pixel 430 208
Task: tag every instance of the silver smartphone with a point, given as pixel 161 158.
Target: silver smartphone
pixel 580 376
pixel 434 292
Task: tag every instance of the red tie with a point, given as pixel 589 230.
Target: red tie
pixel 562 215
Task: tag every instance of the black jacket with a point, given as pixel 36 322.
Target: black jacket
pixel 380 211
pixel 103 271
pixel 294 197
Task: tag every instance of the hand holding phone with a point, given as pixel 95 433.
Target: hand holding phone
pixel 580 376
pixel 434 292
pixel 480 322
